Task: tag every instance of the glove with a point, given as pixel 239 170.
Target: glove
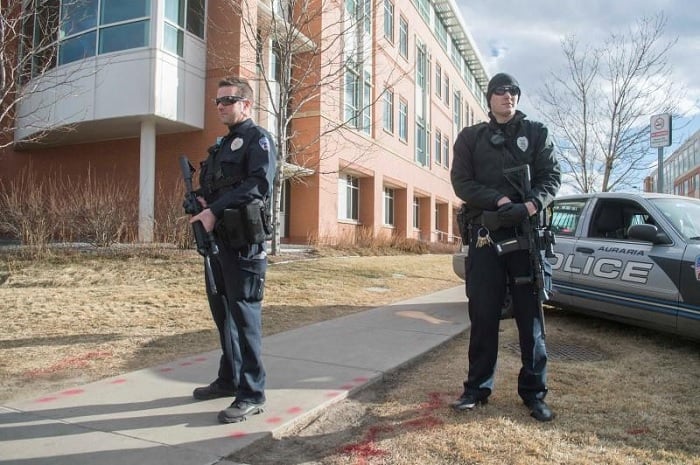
pixel 512 214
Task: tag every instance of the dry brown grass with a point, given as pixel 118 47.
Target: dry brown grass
pixel 640 405
pixel 75 317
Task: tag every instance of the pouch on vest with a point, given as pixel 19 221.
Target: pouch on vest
pixel 234 225
pixel 257 224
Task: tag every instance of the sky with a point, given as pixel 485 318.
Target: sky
pixel 523 38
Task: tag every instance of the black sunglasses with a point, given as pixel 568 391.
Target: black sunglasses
pixel 228 100
pixel 512 90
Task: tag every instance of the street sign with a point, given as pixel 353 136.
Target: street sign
pixel 660 130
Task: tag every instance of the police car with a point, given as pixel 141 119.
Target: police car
pixel 634 258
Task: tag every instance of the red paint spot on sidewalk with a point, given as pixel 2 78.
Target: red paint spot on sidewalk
pixel 294 410
pixel 273 420
pixel 165 370
pixel 238 434
pixel 46 399
pixel 118 381
pixel 73 392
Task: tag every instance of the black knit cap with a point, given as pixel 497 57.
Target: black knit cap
pixel 498 80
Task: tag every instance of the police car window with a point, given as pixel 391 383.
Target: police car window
pixel 565 216
pixel 683 213
pixel 612 219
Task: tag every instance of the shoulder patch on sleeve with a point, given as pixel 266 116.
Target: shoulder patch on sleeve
pixel 264 143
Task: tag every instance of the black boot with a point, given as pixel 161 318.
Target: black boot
pixel 539 410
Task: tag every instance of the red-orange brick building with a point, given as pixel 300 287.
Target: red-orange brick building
pixel 131 85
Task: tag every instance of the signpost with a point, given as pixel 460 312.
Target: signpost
pixel 660 137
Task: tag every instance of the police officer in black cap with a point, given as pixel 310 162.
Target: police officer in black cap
pixel 481 154
pixel 239 171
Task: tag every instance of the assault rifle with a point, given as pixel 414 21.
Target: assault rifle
pixel 539 239
pixel 207 248
pixel 206 245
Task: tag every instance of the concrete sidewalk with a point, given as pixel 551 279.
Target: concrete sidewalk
pixel 149 417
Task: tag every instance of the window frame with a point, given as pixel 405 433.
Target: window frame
pixel 403 37
pixel 389 197
pixel 388 110
pixel 403 119
pixel 389 14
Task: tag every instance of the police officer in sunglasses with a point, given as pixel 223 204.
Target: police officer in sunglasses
pixel 239 172
pixel 481 154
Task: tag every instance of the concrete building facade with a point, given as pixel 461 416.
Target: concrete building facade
pixel 130 84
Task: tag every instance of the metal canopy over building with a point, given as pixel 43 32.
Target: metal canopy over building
pixel 448 11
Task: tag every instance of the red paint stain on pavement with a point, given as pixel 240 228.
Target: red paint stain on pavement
pixel 165 370
pixel 185 364
pixel 238 434
pixel 45 399
pixel 273 420
pixel 345 387
pixel 332 394
pixel 118 381
pixel 294 410
pixel 200 359
pixel 361 380
pixel 72 392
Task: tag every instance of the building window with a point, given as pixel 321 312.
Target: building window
pixel 438 147
pixel 441 32
pixel 421 145
pixel 446 151
pixel 388 206
pixel 181 16
pixel 403 37
pixel 447 90
pixel 348 197
pixel 38 45
pixel 438 80
pixel 456 55
pixel 424 7
pixel 416 213
pixel 358 63
pixel 388 110
pixel 83 29
pixel 457 112
pixel 403 120
pixel 358 96
pixel 421 104
pixel 389 20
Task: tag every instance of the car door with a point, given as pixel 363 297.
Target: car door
pixel 689 306
pixel 621 277
pixel 566 225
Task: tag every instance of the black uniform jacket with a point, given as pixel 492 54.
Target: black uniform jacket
pixel 246 154
pixel 479 160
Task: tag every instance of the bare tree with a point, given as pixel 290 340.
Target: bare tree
pixel 320 48
pixel 599 108
pixel 29 32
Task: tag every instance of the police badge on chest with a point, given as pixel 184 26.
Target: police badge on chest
pixel 236 144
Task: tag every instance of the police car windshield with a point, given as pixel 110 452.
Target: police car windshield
pixel 683 213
